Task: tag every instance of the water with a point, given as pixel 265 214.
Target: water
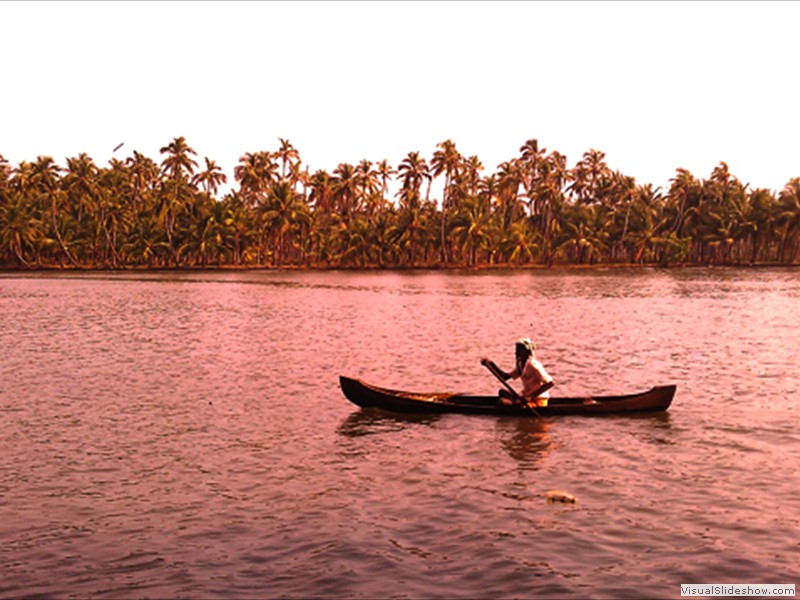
pixel 184 435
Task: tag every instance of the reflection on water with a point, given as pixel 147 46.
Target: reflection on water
pixel 184 434
pixel 526 440
pixel 370 421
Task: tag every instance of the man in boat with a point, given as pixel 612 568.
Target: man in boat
pixel 536 382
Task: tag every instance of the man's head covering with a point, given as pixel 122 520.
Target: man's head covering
pixel 527 343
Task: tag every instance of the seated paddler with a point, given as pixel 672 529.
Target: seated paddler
pixel 536 382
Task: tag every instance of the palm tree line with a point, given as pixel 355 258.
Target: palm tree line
pixel 533 210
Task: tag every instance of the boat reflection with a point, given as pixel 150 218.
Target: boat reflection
pixel 369 421
pixel 659 429
pixel 525 440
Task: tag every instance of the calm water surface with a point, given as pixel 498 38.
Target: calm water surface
pixel 184 435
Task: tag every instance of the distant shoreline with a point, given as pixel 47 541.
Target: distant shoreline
pixel 533 212
pixel 392 269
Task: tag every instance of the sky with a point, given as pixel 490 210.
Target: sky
pixel 655 86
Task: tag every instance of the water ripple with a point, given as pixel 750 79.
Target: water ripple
pixel 183 434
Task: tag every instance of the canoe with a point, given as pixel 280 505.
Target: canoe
pixel 369 396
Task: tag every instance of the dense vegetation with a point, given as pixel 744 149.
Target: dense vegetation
pixel 532 210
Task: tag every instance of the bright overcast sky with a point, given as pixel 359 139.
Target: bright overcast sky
pixel 656 86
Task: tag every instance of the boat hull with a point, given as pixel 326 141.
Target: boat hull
pixel 365 395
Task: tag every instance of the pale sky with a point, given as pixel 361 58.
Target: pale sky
pixel 656 86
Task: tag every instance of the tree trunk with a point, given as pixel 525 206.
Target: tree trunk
pixel 54 214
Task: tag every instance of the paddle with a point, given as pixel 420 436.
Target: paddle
pixel 494 370
pixel 543 388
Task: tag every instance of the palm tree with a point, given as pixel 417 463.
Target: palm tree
pixel 145 243
pixel 283 211
pixel 288 155
pixel 210 178
pixel 381 228
pixel 588 176
pixel 206 236
pixel 763 209
pixel 5 173
pixel 509 179
pixel 19 229
pixel 26 221
pixel 519 243
pixel 144 176
pixel 789 220
pixel 322 235
pixel 623 192
pixel 111 219
pixel 240 227
pixel 366 181
pixel 583 232
pixel 178 162
pixel 356 242
pixel 685 192
pixel 300 177
pixel 739 211
pixel 471 228
pixel 255 173
pixel 413 170
pixel 489 189
pixel 81 186
pixel 178 165
pixel 529 168
pixel 719 235
pixel 322 192
pixel 447 160
pixel 714 219
pixel 645 223
pixel 45 179
pixel 408 231
pixel 720 184
pixel 345 190
pixel 472 168
pixel 553 175
pixel 385 172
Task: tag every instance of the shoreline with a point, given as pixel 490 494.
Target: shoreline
pixel 393 269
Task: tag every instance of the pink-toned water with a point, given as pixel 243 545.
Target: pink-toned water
pixel 184 435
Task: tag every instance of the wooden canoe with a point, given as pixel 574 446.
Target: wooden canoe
pixel 369 396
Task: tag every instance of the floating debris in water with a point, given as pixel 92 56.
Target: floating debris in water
pixel 559 496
